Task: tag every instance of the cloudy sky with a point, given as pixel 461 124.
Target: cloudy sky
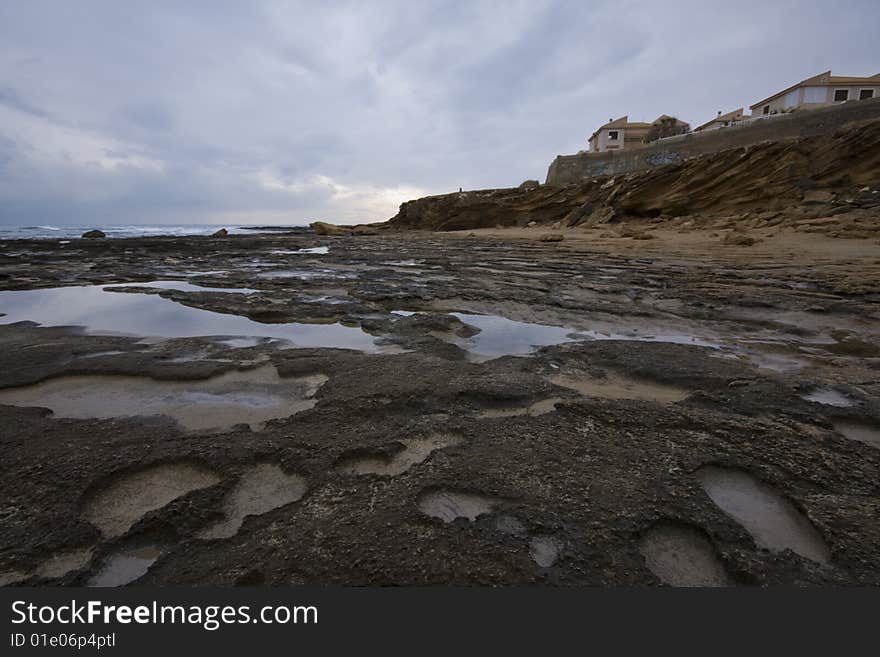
pixel 281 112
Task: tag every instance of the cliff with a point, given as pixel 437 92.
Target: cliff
pixel 819 175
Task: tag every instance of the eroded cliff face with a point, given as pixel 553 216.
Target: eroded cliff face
pixel 814 176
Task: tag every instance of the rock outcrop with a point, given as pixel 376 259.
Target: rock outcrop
pixel 323 228
pixel 220 233
pixel 799 179
pixel 93 234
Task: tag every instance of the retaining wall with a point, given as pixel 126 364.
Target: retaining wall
pixel 567 169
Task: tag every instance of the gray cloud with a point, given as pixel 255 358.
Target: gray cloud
pixel 286 112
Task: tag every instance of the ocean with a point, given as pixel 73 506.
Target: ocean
pixel 69 232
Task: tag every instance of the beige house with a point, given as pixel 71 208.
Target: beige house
pixel 819 91
pixel 617 135
pixel 723 120
pixel 621 133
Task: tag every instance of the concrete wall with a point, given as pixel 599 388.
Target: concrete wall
pixel 567 169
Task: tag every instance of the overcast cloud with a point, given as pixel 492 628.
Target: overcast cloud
pixel 282 112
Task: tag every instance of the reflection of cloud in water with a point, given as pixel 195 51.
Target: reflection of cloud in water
pixel 183 286
pixel 500 336
pixel 108 313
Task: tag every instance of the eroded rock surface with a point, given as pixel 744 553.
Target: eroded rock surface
pixel 491 411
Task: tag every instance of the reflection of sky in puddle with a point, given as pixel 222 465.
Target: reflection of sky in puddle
pixel 150 315
pixel 126 566
pixel 402 263
pixel 183 286
pixel 318 250
pixel 306 273
pixel 829 397
pixel 193 274
pixel 500 336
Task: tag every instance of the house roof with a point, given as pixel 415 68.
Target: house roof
pixel 721 117
pixel 823 80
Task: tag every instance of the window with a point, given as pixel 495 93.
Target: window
pixel 612 135
pixel 766 109
pixel 864 94
pixel 791 98
pixel 841 95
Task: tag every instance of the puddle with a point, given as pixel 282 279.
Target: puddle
pixel 415 450
pixel 126 566
pixel 772 520
pixel 776 362
pixel 682 556
pixel 181 286
pixel 99 354
pixel 121 503
pixel 63 563
pixel 449 505
pixel 858 431
pixel 613 386
pixel 241 343
pixel 316 250
pixel 829 397
pixel 538 408
pixel 544 550
pixel 402 263
pixel 149 315
pixel 251 397
pixel 500 336
pixel 306 274
pixel 260 489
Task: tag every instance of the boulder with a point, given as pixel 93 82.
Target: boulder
pixel 553 237
pixel 529 184
pixel 93 234
pixel 220 233
pixel 323 228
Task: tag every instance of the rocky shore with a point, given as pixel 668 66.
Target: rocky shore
pixel 412 407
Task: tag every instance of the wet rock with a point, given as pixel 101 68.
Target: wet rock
pixel 93 234
pixel 553 237
pixel 220 233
